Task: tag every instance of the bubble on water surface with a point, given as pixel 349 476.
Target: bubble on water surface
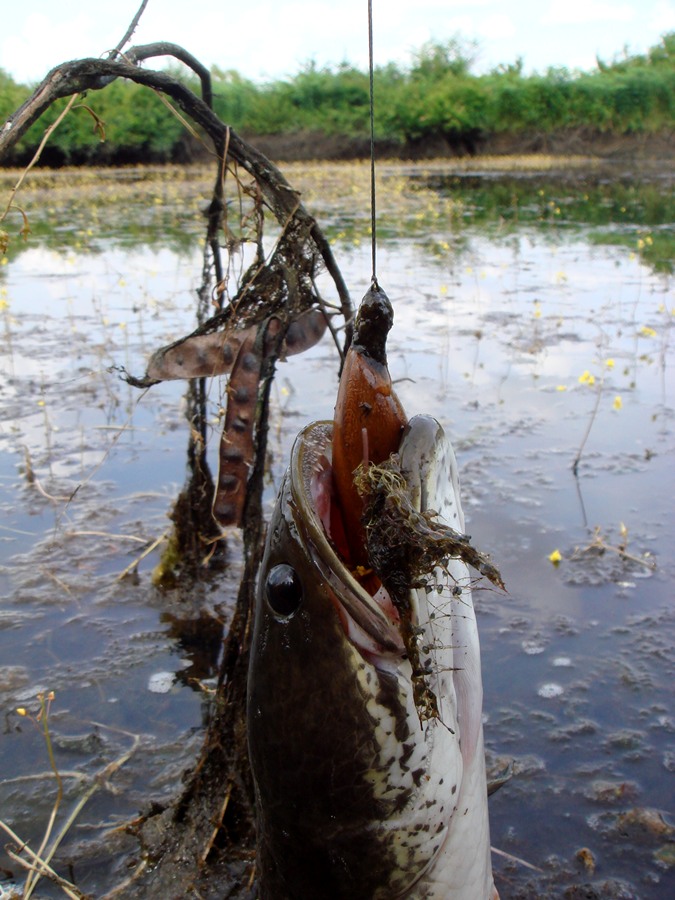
pixel 161 682
pixel 562 662
pixel 551 689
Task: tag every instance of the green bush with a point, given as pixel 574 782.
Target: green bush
pixel 437 95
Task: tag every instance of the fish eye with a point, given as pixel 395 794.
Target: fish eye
pixel 283 591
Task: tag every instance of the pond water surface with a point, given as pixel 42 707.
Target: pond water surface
pixel 534 318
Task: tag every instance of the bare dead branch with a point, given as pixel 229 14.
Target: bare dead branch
pixel 165 48
pixel 132 27
pixel 81 75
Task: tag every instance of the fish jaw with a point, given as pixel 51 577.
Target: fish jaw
pixel 357 796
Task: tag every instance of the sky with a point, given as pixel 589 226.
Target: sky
pixel 271 40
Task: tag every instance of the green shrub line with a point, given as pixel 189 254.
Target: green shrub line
pixel 436 96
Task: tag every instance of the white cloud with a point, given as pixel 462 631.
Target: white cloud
pixel 272 39
pixel 581 12
pixel 662 18
pixel 498 26
pixel 42 42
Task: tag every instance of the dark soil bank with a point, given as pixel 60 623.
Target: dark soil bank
pixel 313 145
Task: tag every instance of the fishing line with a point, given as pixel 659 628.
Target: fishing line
pixel 373 239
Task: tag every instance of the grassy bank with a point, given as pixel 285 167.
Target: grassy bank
pixel 435 105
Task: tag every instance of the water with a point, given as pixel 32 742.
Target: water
pixel 519 328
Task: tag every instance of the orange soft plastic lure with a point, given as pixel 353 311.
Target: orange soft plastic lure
pixel 368 420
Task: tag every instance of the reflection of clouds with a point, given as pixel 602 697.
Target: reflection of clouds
pixel 507 323
pixel 128 281
pixel 494 325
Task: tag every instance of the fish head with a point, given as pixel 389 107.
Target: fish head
pixel 357 794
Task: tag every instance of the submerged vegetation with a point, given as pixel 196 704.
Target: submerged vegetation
pixel 436 97
pixel 560 194
pixel 612 207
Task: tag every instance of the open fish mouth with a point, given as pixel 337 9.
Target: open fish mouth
pixel 422 478
pixel 370 622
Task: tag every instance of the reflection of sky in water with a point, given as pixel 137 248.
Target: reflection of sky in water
pixel 483 341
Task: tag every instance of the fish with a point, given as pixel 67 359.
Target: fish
pixel 361 791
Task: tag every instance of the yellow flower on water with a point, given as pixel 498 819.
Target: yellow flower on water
pixel 646 331
pixel 640 244
pixel 618 402
pixel 609 363
pixel 587 378
pixel 561 387
pixel 4 261
pixel 555 557
pixel 4 304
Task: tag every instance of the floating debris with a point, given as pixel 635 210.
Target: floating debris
pixel 587 859
pixel 643 823
pixel 404 545
pixel 612 791
pixel 640 825
pixel 534 647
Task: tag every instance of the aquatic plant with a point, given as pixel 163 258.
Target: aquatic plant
pixel 38 863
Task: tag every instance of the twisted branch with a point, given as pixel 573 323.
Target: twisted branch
pixel 81 75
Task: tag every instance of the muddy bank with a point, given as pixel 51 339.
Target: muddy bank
pixel 318 146
pixel 313 145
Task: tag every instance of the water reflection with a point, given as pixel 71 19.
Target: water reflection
pixel 511 327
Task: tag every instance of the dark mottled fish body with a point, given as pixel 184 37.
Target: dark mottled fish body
pixel 357 797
